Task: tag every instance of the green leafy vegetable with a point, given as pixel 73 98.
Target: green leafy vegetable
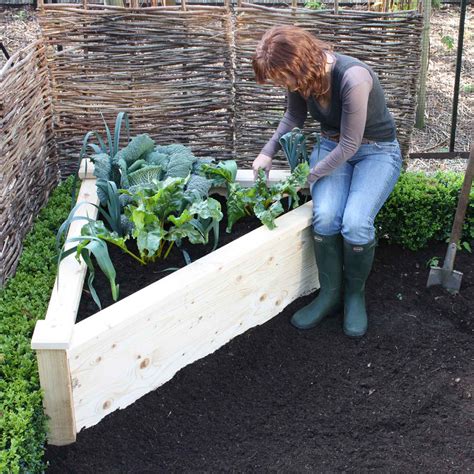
pixel 162 214
pixel 137 147
pixel 145 176
pixel 293 145
pixel 262 201
pixel 223 173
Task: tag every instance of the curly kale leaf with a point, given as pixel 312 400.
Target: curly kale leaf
pixel 102 166
pixel 199 184
pixel 197 165
pixel 180 164
pixel 137 147
pixel 156 158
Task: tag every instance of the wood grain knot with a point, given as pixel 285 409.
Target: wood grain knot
pixel 107 405
pixel 145 363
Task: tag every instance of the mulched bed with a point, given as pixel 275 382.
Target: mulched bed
pixel 275 398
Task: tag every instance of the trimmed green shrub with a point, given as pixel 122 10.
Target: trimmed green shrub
pixel 23 301
pixel 421 208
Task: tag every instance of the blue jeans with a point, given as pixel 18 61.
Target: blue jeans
pixel 348 199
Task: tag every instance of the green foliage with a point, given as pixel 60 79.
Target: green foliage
pixel 468 88
pixel 166 213
pixel 222 174
pixel 421 208
pixel 103 153
pixel 141 171
pixel 102 166
pixel 180 164
pixel 146 176
pixel 293 145
pixel 156 158
pixel 138 146
pixel 433 262
pixel 314 5
pixel 200 184
pixel 262 201
pixel 23 301
pixel 448 42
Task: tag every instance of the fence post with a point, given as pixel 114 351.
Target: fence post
pixel 420 109
pixel 457 77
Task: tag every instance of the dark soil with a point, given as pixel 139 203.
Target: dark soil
pixel 133 276
pixel 275 398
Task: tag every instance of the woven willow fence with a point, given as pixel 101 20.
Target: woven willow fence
pixel 28 162
pixel 183 74
pixel 389 42
pixel 170 69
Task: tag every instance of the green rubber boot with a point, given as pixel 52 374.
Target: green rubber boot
pixel 358 261
pixel 329 257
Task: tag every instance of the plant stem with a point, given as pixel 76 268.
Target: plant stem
pixel 168 251
pixel 160 249
pixel 136 257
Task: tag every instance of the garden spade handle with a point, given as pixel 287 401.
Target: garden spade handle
pixel 456 230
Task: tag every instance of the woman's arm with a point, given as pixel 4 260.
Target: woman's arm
pixel 295 116
pixel 355 89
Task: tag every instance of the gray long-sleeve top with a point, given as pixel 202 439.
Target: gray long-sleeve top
pixel 355 87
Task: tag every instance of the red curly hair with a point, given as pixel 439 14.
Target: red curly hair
pixel 291 53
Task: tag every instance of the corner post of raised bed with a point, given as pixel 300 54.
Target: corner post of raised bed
pixel 53 367
pixel 52 335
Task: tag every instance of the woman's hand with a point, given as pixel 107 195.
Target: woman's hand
pixel 264 162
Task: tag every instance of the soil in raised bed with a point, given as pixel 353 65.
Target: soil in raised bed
pixel 276 398
pixel 133 276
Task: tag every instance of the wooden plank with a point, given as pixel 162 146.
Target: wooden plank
pixel 57 399
pixel 244 177
pixel 54 332
pixel 136 345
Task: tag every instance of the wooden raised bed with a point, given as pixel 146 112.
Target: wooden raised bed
pixel 114 357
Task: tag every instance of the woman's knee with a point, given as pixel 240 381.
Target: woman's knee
pixel 326 220
pixel 358 229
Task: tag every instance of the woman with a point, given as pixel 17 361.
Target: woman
pixel 353 170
